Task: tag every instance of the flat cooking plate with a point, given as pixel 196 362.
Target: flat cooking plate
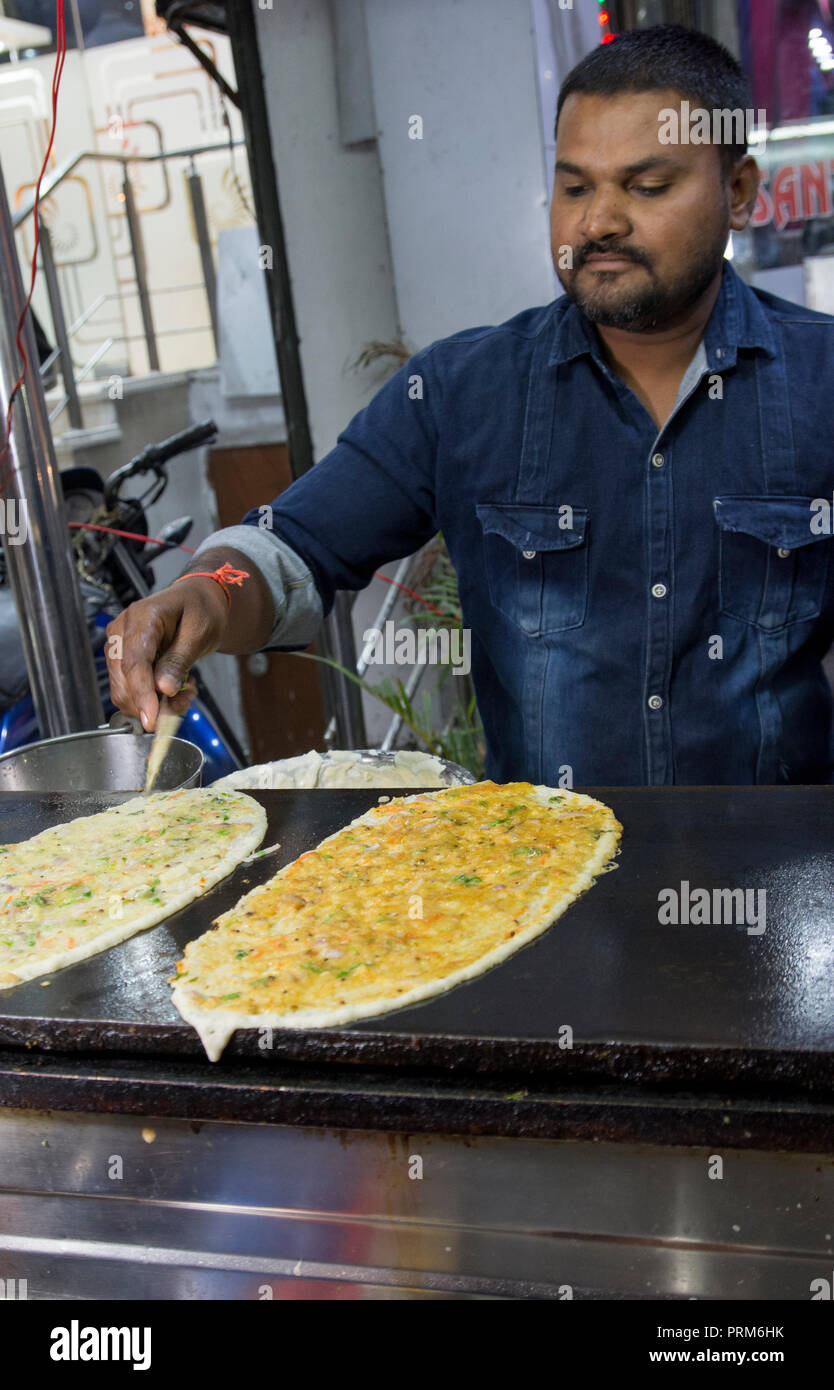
pixel 642 999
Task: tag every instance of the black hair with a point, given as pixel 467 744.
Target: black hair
pixel 666 55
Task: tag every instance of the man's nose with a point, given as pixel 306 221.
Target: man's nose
pixel 605 216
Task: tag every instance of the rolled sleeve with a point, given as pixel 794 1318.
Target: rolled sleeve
pixel 296 601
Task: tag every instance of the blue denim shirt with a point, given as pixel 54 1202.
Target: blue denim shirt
pixel 645 607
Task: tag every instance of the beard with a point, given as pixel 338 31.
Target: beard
pixel 640 310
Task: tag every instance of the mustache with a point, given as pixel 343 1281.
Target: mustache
pixel 591 248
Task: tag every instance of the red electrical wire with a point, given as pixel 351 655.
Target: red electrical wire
pixel 151 540
pixel 60 56
pixel 128 535
pixel 412 594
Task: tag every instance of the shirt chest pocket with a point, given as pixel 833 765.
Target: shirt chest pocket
pixel 536 561
pixel 772 569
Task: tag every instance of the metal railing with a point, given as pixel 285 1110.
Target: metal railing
pixel 64 333
pixel 385 610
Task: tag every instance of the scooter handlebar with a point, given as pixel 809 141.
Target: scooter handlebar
pixel 191 438
pixel 155 455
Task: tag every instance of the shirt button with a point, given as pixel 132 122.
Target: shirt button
pixel 529 554
pixel 659 590
pixel 658 460
pixel 783 554
pixel 655 702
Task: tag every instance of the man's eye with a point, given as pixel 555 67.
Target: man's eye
pixel 574 190
pixel 651 189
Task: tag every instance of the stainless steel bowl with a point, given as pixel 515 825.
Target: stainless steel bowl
pixel 108 760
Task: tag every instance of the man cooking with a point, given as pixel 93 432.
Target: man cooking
pixel 624 477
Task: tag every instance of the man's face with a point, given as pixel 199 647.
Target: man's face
pixel 662 208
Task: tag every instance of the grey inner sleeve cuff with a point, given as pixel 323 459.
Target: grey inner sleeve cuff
pixel 295 598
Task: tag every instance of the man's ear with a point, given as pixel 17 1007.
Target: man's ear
pixel 743 186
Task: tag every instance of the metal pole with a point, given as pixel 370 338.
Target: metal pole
pixel 44 583
pixel 341 698
pixel 392 593
pixel 59 324
pixel 397 723
pixel 137 248
pixel 336 641
pixel 198 209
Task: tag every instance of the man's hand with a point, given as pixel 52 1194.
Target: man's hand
pixel 153 644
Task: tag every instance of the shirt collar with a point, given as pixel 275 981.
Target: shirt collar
pixel 738 320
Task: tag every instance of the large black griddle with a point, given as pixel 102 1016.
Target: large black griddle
pixel 646 1002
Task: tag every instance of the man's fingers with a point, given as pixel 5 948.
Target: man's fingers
pixel 172 669
pixel 179 703
pixel 148 711
pixel 145 634
pixel 122 691
pixel 134 640
pixel 152 645
pixel 195 637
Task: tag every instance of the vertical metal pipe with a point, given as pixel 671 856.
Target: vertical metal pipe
pixel 396 723
pixel 392 593
pixel 341 698
pixel 339 644
pixel 137 247
pixel 53 291
pixel 44 583
pixel 201 228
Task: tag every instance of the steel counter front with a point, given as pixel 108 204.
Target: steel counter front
pixel 628 1107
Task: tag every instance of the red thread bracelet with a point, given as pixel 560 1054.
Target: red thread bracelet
pixel 223 576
